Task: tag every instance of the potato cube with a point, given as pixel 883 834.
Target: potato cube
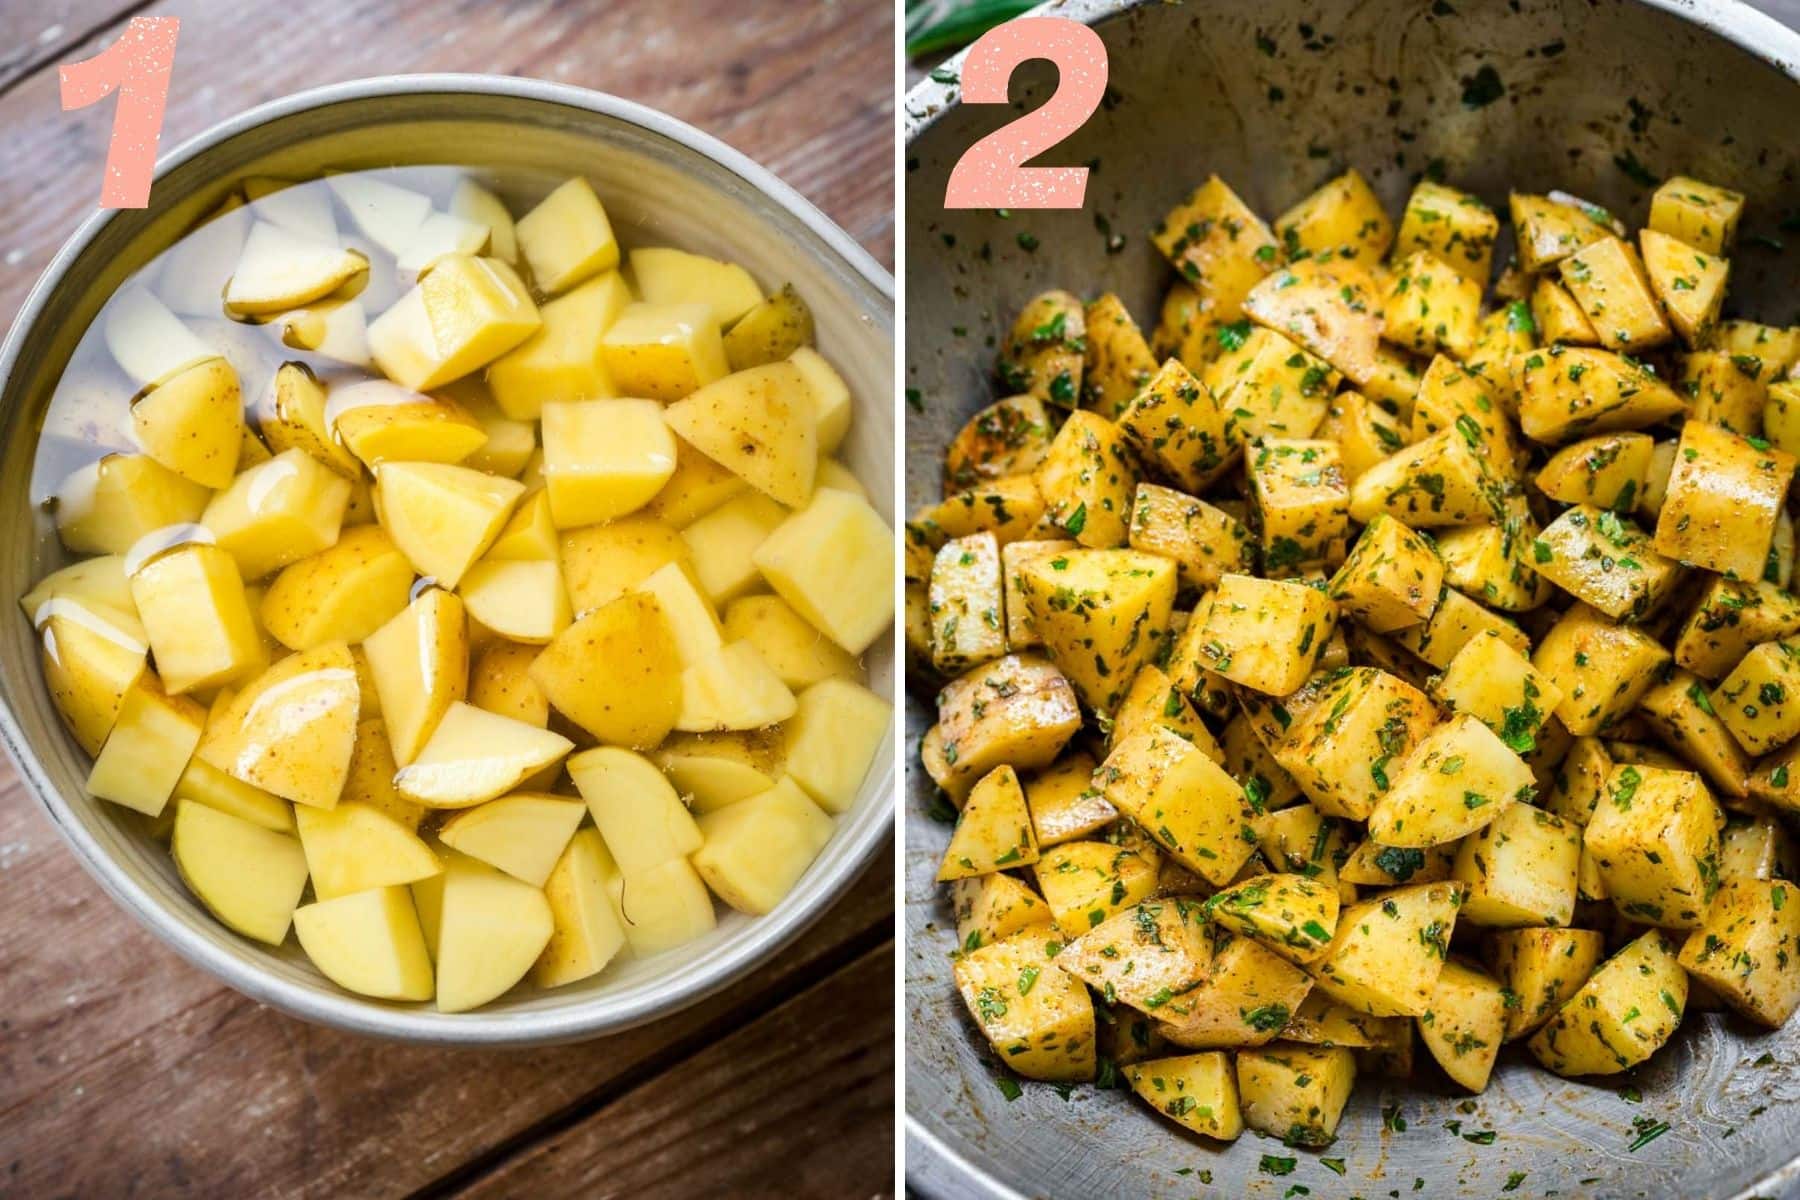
pixel 354 847
pixel 1087 479
pixel 994 831
pixel 662 907
pixel 1490 679
pixel 1009 437
pixel 968 625
pixel 1607 279
pixel 1701 214
pixel 1757 848
pixel 193 422
pixel 1549 230
pixel 1178 427
pixel 292 729
pixel 1043 354
pixel 1249 995
pixel 1343 219
pixel 1118 361
pixel 635 808
pixel 1725 390
pixel 1301 840
pixel 698 486
pixel 1430 306
pixel 1035 1014
pixel 563 360
pixel 1391 579
pixel 587 930
pixel 1365 432
pixel 1295 1092
pixel 1198 1091
pixel 1206 542
pixel 567 237
pixel 1018 710
pixel 491 928
pixel 992 908
pixel 1182 799
pixel 278 512
pixel 1265 384
pixel 443 517
pixel 664 351
pixel 1266 634
pixel 1439 481
pixel 1744 949
pixel 147 752
pixel 1290 914
pixel 1154 700
pixel 465 313
pixel 1218 245
pixel 368 943
pixel 1100 614
pixel 1558 315
pixel 1465 1024
pixel 1458 778
pixel 1723 499
pixel 1605 561
pixel 1343 751
pixel 1520 869
pixel 474 756
pixel 249 877
pixel 1568 392
pixel 1580 781
pixel 1085 882
pixel 834 562
pixel 1677 710
pixel 1064 803
pixel 197 618
pixel 1608 471
pixel 792 648
pixel 1453 624
pixel 760 423
pixel 1621 1016
pixel 616 672
pixel 1688 284
pixel 1731 618
pixel 1331 308
pixel 1759 702
pixel 602 562
pixel 1540 969
pixel 1388 951
pixel 1021 634
pixel 1602 669
pixel 1453 225
pixel 1299 503
pixel 604 458
pixel 1655 839
pixel 756 850
pixel 1388 866
pixel 1149 956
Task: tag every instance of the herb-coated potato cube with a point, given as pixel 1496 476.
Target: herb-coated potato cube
pixel 1264 383
pixel 1454 225
pixel 1757 848
pixel 1155 700
pixel 1725 390
pixel 1606 471
pixel 1430 306
pixel 1290 914
pixel 1731 617
pixel 1118 361
pixel 1602 669
pixel 833 561
pixel 1148 957
pixel 1492 680
pixel 1267 785
pixel 1580 781
pixel 1438 481
pixel 1781 415
pixel 1182 799
pixel 1296 1093
pixel 967 609
pixel 1607 279
pixel 1365 432
pixel 1087 479
pixel 1539 970
pixel 1342 752
pixel 1085 882
pixel 197 618
pixel 1218 245
pixel 1035 1014
pixel 1008 437
pixel 1655 839
pixel 1189 664
pixel 1010 508
pixel 1302 840
pixel 1343 219
pixel 1759 702
pixel 992 908
pixel 1549 231
pixel 1389 950
pixel 1178 428
pixel 1703 215
pixel 1722 502
pixel 1457 779
pixel 567 237
pixel 1394 383
pixel 1248 997
pixel 1465 1024
pixel 1064 803
pixel 1621 1016
pixel 1388 866
pixel 1452 624
pixel 1766 351
pixel 1101 614
pixel 1331 308
pixel 1021 634
pixel 1520 869
pixel 1321 1021
pixel 1299 502
pixel 1454 397
pixel 1689 283
pixel 1264 633
pixel 1043 353
pixel 1019 710
pixel 1605 561
pixel 1391 578
pixel 994 832
pixel 1745 949
pixel 1198 1091
pixel 1205 542
pixel 1558 316
pixel 1679 712
pixel 1568 392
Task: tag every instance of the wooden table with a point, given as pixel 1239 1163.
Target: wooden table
pixel 124 1071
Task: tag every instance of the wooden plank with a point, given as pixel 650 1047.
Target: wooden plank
pixel 747 1109
pixel 804 89
pixel 34 37
pixel 227 1097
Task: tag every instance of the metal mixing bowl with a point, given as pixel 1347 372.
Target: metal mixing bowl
pixel 663 182
pixel 1702 86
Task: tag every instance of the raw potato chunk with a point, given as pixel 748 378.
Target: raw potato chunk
pixel 1540 970
pixel 711 770
pixel 292 729
pixel 771 331
pixel 1701 214
pixel 419 661
pixel 1605 561
pixel 1745 949
pixel 491 929
pixel 1621 1016
pixel 1458 778
pixel 1299 503
pixel 994 832
pixel 1035 1014
pixel 1100 614
pixel 1218 245
pixel 379 423
pixel 342 594
pixel 663 351
pixel 635 699
pixel 662 907
pixel 147 752
pixel 833 740
pixel 732 689
pixel 833 561
pixel 1347 749
pixel 759 423
pixel 1606 472
pixel 1388 951
pixel 193 422
pixel 1178 427
pixel 464 314
pixel 668 276
pixel 1723 499
pixel 604 458
pixel 1265 634
pixel 562 361
pixel 567 238
pixel 1290 914
pixel 1607 279
pixel 1018 710
pixel 1086 882
pixel 1296 1093
pixel 281 270
pixel 586 930
pixel 249 877
pixel 197 618
pixel 799 654
pixel 991 908
pixel 355 847
pixel 638 813
pixel 1149 957
pixel 1086 481
pixel 1343 219
pixel 603 562
pixel 1182 799
pixel 521 601
pixel 1655 838
pixel 1465 1024
pixel 278 512
pixel 723 544
pixel 1198 1091
pixel 108 505
pixel 690 615
pixel 1602 669
pixel 1455 226
pixel 368 943
pixel 1206 542
pixel 523 834
pixel 443 517
pixel 1391 579
pixel 967 609
pixel 755 851
pixel 1520 870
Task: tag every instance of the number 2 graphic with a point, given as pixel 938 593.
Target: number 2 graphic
pixel 990 174
pixel 137 66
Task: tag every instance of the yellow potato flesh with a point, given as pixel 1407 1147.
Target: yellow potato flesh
pixel 368 943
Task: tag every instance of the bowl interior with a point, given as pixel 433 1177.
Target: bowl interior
pixel 1276 98
pixel 658 189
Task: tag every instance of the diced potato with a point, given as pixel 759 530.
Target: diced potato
pixel 1009 437
pixel 833 561
pixel 1430 306
pixel 562 362
pixel 1267 385
pixel 465 313
pixel 419 661
pixel 1265 634
pixel 1438 481
pixel 1621 1016
pixel 205 784
pixel 1744 949
pixel 147 752
pixel 1294 1092
pixel 755 851
pixel 1605 561
pixel 524 834
pixel 1218 245
pixel 1520 870
pixel 1019 710
pixel 1118 362
pixel 280 270
pixel 249 877
pixel 1343 219
pixel 1345 751
pixel 277 513
pixel 967 609
pixel 1087 480
pixel 587 931
pixel 636 700
pixel 1569 392
pixel 1608 280
pixel 1198 1091
pixel 1099 614
pixel 1388 951
pixel 1540 969
pixel 1182 799
pixel 107 506
pixel 1303 841
pixel 1724 390
pixel 472 202
pixel 771 331
pixel 1085 882
pixel 760 423
pixel 637 811
pixel 664 351
pixel 1654 837
pixel 1457 779
pixel 1453 623
pixel 1034 1013
pixel 1292 915
pixel 1601 668
pixel 1453 225
pixel 662 907
pixel 443 517
pixel 409 430
pixel 1465 1024
pixel 994 831
pixel 491 929
pixel 1387 866
pixel 344 593
pixel 1604 472
pixel 521 601
pixel 354 847
pixel 1065 804
pixel 730 689
pixel 1043 353
pixel 1329 307
pixel 1757 848
pixel 1677 710
pixel 665 275
pixel 1299 503
pixel 1758 701
pixel 1689 284
pixel 291 730
pixel 600 563
pixel 1149 957
pixel 798 654
pixel 1391 579
pixel 1178 427
pixel 1155 700
pixel 567 238
pixel 197 618
pixel 834 739
pixel 711 770
pixel 1731 617
pixel 992 908
pixel 368 943
pixel 1011 508
pixel 1723 498
pixel 1701 214
pixel 1549 230
pixel 1365 432
pixel 192 422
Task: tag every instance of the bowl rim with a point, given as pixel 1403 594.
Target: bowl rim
pixel 931 1161
pixel 763 937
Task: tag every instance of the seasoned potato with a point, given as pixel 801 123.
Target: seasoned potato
pixel 1149 957
pixel 1701 214
pixel 1391 579
pixel 1265 634
pixel 1744 949
pixel 1605 561
pixel 1293 915
pixel 1086 882
pixel 1345 752
pixel 1722 501
pixel 1019 710
pixel 1623 1013
pixel 991 908
pixel 1329 307
pixel 1457 779
pixel 1099 614
pixel 1655 838
pixel 1034 1013
pixel 1388 951
pixel 1520 869
pixel 1177 426
pixel 1296 1093
pixel 1248 997
pixel 994 831
pixel 1465 1024
pixel 1182 799
pixel 1218 245
pixel 1198 1091
pixel 1453 225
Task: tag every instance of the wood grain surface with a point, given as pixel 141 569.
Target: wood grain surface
pixel 126 1072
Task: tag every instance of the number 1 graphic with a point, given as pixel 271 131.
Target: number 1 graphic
pixel 137 66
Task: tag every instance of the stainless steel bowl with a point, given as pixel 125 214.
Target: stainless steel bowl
pixel 663 181
pixel 1703 86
